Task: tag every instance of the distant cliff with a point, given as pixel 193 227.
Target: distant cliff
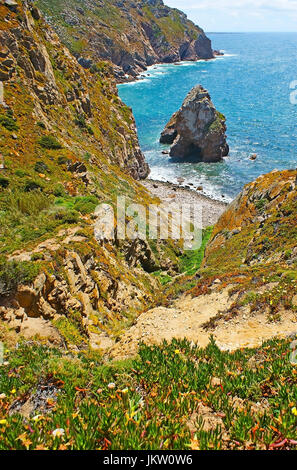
pixel 132 34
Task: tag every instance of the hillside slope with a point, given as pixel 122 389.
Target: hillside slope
pixel 68 143
pixel 247 291
pixel 202 388
pixel 132 34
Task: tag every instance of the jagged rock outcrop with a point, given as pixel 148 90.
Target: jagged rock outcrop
pixel 197 131
pixel 132 34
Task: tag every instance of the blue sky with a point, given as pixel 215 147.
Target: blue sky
pixel 240 15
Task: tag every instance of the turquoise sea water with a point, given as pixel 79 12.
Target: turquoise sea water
pixel 250 85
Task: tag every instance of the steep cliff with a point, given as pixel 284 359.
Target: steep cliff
pixel 253 251
pixel 67 144
pixel 132 34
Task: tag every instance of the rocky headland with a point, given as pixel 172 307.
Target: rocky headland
pixel 197 131
pixel 131 34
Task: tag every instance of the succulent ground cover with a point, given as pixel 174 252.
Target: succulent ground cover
pixel 172 396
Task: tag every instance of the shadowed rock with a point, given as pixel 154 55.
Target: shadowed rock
pixel 197 131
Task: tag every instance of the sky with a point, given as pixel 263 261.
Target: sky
pixel 240 15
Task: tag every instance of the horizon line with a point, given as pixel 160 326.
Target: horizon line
pixel 249 32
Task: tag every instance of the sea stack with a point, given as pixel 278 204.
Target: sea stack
pixel 197 131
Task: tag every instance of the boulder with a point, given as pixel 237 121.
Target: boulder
pixel 12 5
pixel 197 131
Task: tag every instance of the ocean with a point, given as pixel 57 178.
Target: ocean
pixel 250 84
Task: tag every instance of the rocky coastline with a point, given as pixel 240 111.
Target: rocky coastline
pixel 139 75
pixel 170 193
pixel 130 35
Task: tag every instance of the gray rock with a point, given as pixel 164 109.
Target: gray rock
pixel 197 131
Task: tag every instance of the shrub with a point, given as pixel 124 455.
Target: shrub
pixel 86 205
pixel 13 273
pixel 59 190
pixel 32 185
pixel 71 328
pixel 191 260
pixel 70 217
pixel 261 204
pixel 30 203
pixel 4 182
pixel 37 256
pixel 9 123
pixel 20 173
pixel 62 160
pixel 41 167
pixel 66 215
pixel 87 156
pixel 49 142
pixel 80 121
pixel 41 124
pixel 83 204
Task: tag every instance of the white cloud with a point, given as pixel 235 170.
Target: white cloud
pixel 280 5
pixel 240 15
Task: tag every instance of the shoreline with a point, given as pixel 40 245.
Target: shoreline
pixel 170 193
pixel 139 77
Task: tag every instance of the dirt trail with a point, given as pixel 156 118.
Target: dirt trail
pixel 186 319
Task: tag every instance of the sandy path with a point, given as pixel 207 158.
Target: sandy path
pixel 186 317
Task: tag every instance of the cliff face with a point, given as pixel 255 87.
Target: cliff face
pixel 54 79
pixel 253 251
pixel 67 144
pixel 132 34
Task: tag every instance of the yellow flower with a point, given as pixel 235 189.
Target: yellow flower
pixel 294 411
pixel 37 418
pixel 13 391
pixel 177 351
pixel 194 444
pixel 3 421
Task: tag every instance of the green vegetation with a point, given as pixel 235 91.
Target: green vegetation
pixel 83 204
pixel 41 167
pixel 49 142
pixel 8 122
pixel 13 273
pixel 29 214
pixel 163 277
pixel 216 125
pixel 4 182
pixel 32 185
pixel 70 328
pixel 170 29
pixel 261 203
pixel 191 260
pixel 157 401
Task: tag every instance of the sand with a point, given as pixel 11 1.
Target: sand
pixel 170 193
